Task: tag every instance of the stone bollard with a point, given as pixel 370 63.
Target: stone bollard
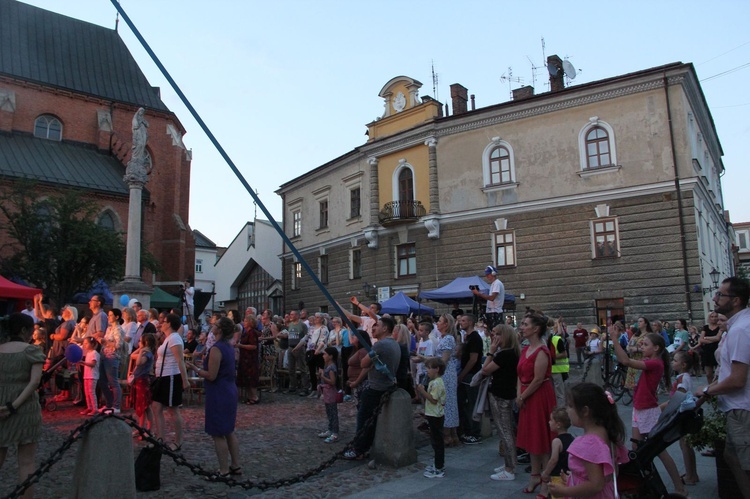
pixel 394 434
pixel 104 464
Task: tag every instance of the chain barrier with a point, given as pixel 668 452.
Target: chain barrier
pixel 180 460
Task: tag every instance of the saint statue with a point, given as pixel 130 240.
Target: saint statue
pixel 139 166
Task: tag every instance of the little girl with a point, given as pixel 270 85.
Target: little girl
pixel 559 423
pixel 327 387
pixel 682 363
pixel 144 364
pixel 646 411
pixel 590 456
pixel 91 365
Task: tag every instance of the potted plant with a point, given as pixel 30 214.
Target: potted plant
pixel 712 435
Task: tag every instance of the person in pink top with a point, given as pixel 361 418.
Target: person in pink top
pixel 590 457
pixel 646 411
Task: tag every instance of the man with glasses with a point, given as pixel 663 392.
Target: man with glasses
pixel 733 385
pixel 98 322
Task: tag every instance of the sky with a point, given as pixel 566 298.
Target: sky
pixel 288 85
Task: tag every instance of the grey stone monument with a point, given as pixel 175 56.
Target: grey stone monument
pixel 136 176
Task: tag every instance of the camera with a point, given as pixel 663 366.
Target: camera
pixel 473 287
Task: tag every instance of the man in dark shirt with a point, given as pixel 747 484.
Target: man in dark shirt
pixel 580 335
pixel 192 342
pixel 471 363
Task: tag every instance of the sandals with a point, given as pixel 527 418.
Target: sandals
pixel 251 402
pixel 531 489
pixel 235 470
pixel 689 482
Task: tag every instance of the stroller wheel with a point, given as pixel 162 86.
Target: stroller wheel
pixel 51 406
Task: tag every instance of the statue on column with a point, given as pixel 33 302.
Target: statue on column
pixel 139 166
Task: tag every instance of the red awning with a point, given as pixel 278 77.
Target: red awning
pixel 11 290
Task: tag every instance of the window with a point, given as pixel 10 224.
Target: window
pixel 323 268
pixel 355 202
pixel 404 204
pixel 407 260
pixel 596 144
pixel 505 249
pixel 355 263
pixel 498 168
pixel 604 238
pixel 296 274
pixel 48 127
pixel 742 241
pixel 323 209
pixel 296 223
pixel 106 221
pixel 198 266
pixel 597 148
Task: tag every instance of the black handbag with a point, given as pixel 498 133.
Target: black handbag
pixel 155 381
pixel 148 469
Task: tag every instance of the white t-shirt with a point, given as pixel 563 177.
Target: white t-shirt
pixel 427 349
pixel 92 372
pixel 496 306
pixel 166 357
pixel 31 314
pixel 736 348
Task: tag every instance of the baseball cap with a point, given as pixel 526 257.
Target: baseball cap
pixel 490 270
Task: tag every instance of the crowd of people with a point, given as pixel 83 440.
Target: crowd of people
pixel 456 366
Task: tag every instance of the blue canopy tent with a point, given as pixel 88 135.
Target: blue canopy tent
pixel 400 304
pixel 458 291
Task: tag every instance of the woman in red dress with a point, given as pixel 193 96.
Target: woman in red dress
pixel 536 397
pixel 248 373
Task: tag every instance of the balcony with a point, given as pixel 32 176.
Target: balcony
pixel 401 211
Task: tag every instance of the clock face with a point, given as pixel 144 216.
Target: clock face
pixel 399 102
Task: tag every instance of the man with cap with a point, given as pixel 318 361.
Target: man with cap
pixel 594 352
pixel 495 298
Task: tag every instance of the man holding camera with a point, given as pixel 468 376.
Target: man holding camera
pixel 495 298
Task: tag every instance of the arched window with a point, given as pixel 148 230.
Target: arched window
pixel 48 127
pixel 597 148
pixel 106 221
pixel 498 165
pixel 406 192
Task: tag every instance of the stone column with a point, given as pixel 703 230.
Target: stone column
pixel 431 143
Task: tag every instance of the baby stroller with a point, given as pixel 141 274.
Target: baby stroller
pixel 47 374
pixel 639 477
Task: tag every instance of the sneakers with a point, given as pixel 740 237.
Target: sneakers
pixel 331 439
pixel 502 475
pixel 434 473
pixel 347 398
pixel 351 454
pixel 324 434
pixel 469 440
pixel 429 468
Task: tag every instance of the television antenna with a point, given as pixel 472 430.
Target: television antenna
pixel 534 67
pixel 434 82
pixel 510 80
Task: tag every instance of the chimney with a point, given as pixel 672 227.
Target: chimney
pixel 556 74
pixel 523 92
pixel 459 96
pixel 473 103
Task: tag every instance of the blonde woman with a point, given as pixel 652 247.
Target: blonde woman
pixel 447 349
pixel 403 374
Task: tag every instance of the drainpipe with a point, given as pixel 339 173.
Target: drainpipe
pixel 680 213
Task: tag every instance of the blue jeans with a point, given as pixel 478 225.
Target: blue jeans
pixel 109 380
pixel 368 403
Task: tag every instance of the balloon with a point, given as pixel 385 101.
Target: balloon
pixel 73 353
pixel 184 319
pixel 132 302
pixel 124 299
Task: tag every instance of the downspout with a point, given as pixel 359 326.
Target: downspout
pixel 680 212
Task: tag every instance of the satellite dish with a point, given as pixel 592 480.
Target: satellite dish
pixel 570 71
pixel 552 69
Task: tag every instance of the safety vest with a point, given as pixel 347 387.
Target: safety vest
pixel 561 364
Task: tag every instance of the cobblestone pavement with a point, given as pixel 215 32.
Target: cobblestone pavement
pixel 278 439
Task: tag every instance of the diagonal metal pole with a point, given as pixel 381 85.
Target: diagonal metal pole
pixel 378 363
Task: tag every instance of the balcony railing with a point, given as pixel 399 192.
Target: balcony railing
pixel 401 211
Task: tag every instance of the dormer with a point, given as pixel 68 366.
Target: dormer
pixel 403 109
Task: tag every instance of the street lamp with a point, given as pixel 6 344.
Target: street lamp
pixel 714 275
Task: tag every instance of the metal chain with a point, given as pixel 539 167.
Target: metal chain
pixel 180 460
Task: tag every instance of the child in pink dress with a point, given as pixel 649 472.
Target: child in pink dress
pixel 590 457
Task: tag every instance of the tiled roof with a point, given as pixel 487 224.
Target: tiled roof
pixel 201 241
pixel 51 49
pixel 60 163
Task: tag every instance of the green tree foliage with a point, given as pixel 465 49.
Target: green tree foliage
pixel 55 243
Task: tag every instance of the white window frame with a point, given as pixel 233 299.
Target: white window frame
pixel 49 120
pixel 199 265
pixel 594 122
pixel 514 253
pixel 352 252
pixel 486 166
pixel 396 192
pixel 297 223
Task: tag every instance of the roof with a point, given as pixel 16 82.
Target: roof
pixel 60 163
pixel 201 241
pixel 51 49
